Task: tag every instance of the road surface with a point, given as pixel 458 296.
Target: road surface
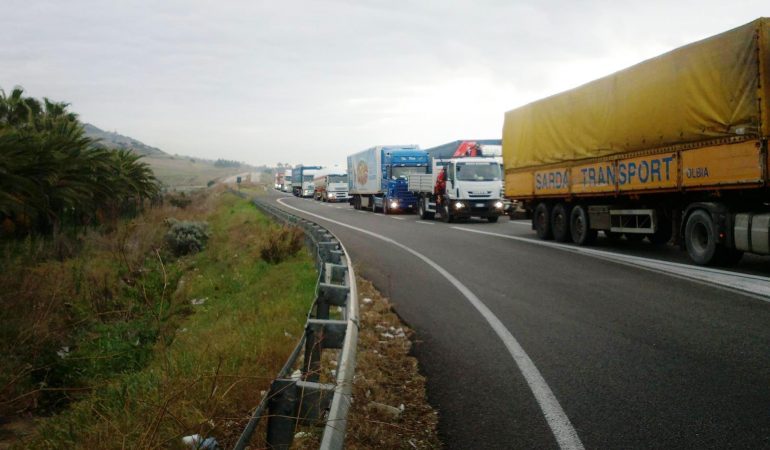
pixel 527 345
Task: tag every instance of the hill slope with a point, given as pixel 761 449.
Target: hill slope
pixel 114 140
pixel 174 171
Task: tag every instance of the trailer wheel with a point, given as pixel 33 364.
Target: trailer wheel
pixel 634 237
pixel 493 219
pixel 580 226
pixel 385 208
pixel 699 238
pixel 541 221
pixel 560 222
pixel 357 202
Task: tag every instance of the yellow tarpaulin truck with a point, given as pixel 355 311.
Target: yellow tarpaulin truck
pixel 675 146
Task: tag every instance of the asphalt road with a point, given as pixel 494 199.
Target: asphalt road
pixel 531 346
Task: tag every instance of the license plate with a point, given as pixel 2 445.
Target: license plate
pixel 480 205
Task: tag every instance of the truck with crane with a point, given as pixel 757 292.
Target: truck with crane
pixel 674 148
pixel 377 177
pixel 466 184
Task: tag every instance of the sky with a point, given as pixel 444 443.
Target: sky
pixel 311 82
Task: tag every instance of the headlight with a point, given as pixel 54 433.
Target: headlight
pixel 332 195
pixel 499 205
pixel 394 204
pixel 459 205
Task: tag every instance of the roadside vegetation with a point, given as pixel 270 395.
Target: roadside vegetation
pixel 55 179
pixel 134 343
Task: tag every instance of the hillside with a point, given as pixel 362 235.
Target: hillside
pixel 174 171
pixel 111 139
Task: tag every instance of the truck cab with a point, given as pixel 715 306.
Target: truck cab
pixel 471 187
pixel 302 180
pixel 286 186
pixel 331 185
pixel 397 165
pixel 308 186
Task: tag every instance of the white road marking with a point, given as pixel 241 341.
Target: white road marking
pixel 358 210
pixel 521 222
pixel 397 218
pixel 753 285
pixel 422 222
pixel 561 427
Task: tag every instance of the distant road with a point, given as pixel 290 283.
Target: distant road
pixel 528 345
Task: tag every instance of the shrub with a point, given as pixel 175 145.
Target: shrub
pixel 282 243
pixel 187 237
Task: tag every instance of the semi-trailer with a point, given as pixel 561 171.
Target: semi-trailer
pixel 302 180
pixel 459 187
pixel 331 184
pixel 673 147
pixel 377 177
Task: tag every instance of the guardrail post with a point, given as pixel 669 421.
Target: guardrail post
pixel 282 414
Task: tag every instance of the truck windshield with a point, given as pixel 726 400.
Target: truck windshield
pixel 307 177
pixel 478 172
pixel 402 172
pixel 338 178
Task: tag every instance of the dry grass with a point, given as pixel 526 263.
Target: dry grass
pixel 385 375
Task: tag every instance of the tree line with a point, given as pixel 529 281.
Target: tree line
pixel 53 177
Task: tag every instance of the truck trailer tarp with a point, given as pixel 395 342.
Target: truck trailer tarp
pixel 715 88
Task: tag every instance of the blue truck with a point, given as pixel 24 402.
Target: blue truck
pixel 302 180
pixel 377 177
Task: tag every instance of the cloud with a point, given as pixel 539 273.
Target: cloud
pixel 311 81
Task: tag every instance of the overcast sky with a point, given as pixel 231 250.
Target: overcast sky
pixel 313 81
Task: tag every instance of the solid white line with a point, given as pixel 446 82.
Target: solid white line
pixel 521 222
pixel 753 285
pixel 561 427
pixel 397 218
pixel 422 222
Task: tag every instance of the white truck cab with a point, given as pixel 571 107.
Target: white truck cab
pixel 473 188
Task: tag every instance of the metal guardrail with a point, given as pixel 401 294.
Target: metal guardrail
pixel 305 400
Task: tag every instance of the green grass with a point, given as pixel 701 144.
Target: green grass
pixel 204 372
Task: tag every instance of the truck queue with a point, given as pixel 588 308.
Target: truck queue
pixel 672 149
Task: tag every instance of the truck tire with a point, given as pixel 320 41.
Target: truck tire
pixel 422 208
pixel 357 203
pixel 560 222
pixel 446 215
pixel 493 219
pixel 700 238
pixel 634 237
pixel 580 226
pixel 385 207
pixel 541 221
